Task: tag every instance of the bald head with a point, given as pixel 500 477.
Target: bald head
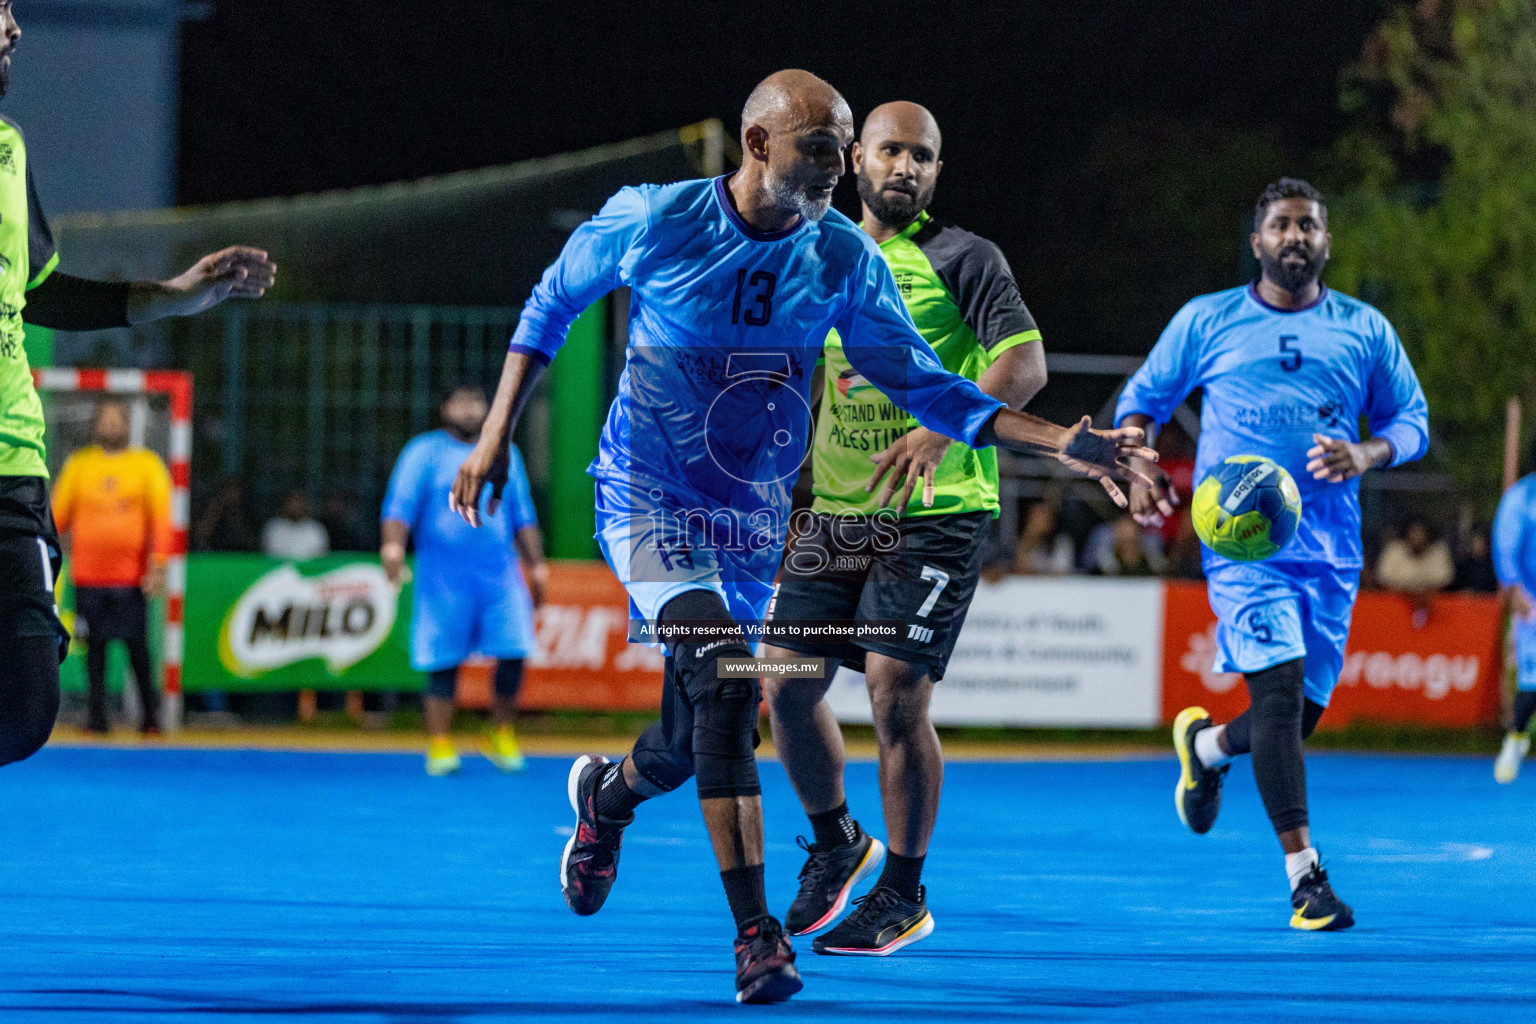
pixel 897 164
pixel 792 99
pixel 902 120
pixel 794 129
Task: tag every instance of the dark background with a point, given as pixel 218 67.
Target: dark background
pixel 1111 147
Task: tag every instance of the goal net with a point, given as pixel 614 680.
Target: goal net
pixel 160 419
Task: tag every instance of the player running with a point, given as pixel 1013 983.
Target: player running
pixel 734 284
pixel 470 591
pixel 1288 368
pixel 920 569
pixel 1514 559
pixel 31 636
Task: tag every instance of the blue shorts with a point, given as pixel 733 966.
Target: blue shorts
pixel 1525 655
pixel 1273 612
pixel 657 560
pixel 457 615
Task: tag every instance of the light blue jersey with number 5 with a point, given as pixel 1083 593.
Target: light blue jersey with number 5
pixel 1272 378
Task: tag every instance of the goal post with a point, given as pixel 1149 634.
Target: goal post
pixel 160 406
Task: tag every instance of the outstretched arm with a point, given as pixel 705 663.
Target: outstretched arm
pixel 67 303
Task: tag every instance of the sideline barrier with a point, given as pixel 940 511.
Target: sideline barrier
pixel 1034 651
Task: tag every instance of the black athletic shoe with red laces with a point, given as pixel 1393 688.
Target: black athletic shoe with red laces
pixel 827 878
pixel 765 965
pixel 590 862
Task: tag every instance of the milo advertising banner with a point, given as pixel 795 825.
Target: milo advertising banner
pixel 333 623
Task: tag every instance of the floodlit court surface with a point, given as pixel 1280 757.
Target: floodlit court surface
pixel 226 885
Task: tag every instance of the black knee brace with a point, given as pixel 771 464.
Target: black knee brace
pixel 1275 713
pixel 29 695
pixel 725 711
pixel 724 722
pixel 663 754
pixel 1525 706
pixel 443 683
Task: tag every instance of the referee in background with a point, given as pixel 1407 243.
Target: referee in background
pixel 113 501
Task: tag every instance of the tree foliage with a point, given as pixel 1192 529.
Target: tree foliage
pixel 1437 224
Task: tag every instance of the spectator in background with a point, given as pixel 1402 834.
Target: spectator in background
pixel 225 523
pixel 292 534
pixel 338 514
pixel 1121 547
pixel 114 503
pixel 1474 563
pixel 1417 565
pixel 1129 551
pixel 1043 549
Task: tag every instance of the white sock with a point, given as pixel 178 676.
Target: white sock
pixel 1208 747
pixel 1298 865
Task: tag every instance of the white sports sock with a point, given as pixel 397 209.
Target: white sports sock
pixel 1297 865
pixel 1208 747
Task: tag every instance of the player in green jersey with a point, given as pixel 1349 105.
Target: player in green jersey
pixel 860 560
pixel 34 291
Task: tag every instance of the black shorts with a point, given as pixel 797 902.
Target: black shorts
pixel 29 561
pixel 920 570
pixel 111 613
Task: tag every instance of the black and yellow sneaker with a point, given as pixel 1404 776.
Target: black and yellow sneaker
pixel 765 965
pixel 827 878
pixel 882 923
pixel 1198 794
pixel 1317 909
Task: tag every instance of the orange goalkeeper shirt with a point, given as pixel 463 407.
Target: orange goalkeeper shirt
pixel 117 509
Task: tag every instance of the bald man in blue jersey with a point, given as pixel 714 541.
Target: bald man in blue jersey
pixel 735 283
pixel 1288 369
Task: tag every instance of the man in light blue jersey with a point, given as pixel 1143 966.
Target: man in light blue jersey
pixel 1288 369
pixel 1514 560
pixel 471 595
pixel 734 284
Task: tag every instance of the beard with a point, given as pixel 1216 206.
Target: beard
pixel 787 195
pixel 893 209
pixel 1292 277
pixel 5 76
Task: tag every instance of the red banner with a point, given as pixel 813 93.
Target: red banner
pixel 1444 674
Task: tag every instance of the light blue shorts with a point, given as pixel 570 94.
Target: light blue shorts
pixel 656 560
pixel 1273 612
pixel 1525 655
pixel 456 615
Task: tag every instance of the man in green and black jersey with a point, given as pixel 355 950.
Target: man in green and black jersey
pixel 32 640
pixel 858 559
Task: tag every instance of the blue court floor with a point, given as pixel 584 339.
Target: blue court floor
pixel 232 886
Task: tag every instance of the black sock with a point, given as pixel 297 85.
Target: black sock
pixel 904 874
pixel 615 801
pixel 834 827
pixel 1525 704
pixel 744 892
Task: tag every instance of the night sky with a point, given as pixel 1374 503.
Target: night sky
pixel 1110 147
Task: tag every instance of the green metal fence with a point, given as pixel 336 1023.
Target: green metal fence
pixel 321 397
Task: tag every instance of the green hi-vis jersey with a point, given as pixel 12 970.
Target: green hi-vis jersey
pixel 965 303
pixel 26 258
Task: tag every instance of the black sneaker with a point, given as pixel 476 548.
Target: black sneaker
pixel 827 878
pixel 1198 794
pixel 765 965
pixel 590 862
pixel 883 923
pixel 1317 909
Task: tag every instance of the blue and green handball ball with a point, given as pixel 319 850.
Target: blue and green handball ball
pixel 1247 508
